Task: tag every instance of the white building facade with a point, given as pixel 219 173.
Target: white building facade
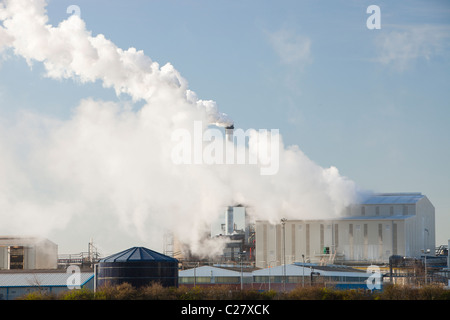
pixel 369 232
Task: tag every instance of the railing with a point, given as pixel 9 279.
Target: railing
pixel 83 258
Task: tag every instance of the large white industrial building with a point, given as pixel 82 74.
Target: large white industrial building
pixel 369 232
pixel 22 253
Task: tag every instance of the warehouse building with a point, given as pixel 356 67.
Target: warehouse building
pixel 279 278
pixel 211 275
pixel 369 232
pixel 288 277
pixel 16 284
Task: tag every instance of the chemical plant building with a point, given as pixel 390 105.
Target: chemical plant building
pixel 27 253
pixel 30 264
pixel 381 226
pixel 384 230
pixel 234 225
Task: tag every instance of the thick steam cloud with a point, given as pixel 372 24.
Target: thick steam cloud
pixel 108 169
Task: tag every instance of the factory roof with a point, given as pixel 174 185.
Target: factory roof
pixel 393 198
pixel 207 271
pixel 393 217
pixel 299 269
pixel 296 269
pixel 24 240
pixel 40 279
pixel 138 254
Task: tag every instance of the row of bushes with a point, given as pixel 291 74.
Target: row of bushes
pixel 389 292
pixel 154 292
pixel 158 292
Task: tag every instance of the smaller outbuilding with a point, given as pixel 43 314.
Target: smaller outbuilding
pixel 299 274
pixel 280 278
pixel 207 275
pixel 16 284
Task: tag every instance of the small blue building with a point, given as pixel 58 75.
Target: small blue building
pixel 16 284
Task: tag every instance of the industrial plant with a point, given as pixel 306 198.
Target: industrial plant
pixel 386 238
pixel 381 226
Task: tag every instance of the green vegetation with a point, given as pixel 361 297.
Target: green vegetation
pixel 158 292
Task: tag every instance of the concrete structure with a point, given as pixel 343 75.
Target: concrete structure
pixel 369 232
pixel 27 253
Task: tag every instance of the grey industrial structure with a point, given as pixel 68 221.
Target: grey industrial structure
pixel 235 226
pixel 27 253
pixel 379 227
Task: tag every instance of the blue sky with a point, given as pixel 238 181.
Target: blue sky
pixel 373 103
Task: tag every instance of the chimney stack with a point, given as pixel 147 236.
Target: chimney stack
pixel 229 131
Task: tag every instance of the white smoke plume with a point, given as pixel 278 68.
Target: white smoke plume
pixel 107 172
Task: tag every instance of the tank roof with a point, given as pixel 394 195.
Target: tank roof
pixel 138 254
pixel 394 198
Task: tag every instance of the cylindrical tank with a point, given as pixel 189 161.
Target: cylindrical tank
pixel 137 266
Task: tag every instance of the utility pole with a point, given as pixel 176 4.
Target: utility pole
pixel 303 271
pixel 241 254
pixel 283 223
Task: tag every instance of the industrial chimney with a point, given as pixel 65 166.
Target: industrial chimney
pixel 229 133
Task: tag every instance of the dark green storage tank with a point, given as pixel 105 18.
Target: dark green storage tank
pixel 139 267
